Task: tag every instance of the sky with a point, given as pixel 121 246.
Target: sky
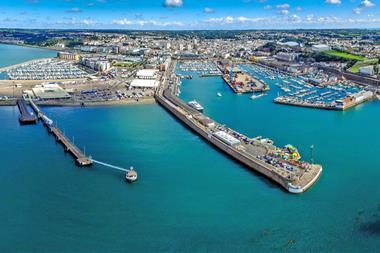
pixel 189 14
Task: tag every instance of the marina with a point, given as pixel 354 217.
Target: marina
pixel 298 91
pixel 45 69
pixel 201 68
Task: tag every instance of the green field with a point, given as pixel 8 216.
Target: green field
pixel 344 55
pixel 359 64
pixel 126 64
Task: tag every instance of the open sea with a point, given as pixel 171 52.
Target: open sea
pixel 189 197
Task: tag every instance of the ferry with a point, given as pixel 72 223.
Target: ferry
pixel 194 104
pixel 131 175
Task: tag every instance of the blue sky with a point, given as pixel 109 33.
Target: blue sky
pixel 189 14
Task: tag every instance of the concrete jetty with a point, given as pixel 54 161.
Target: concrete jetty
pixel 261 157
pixel 25 116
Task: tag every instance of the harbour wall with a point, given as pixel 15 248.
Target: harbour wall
pixel 249 161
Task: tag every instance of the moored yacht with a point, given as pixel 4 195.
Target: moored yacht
pixel 258 96
pixel 195 105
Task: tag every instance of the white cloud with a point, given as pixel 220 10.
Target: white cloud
pixel 364 4
pixel 74 10
pixel 173 3
pixel 123 21
pixel 357 10
pixel 239 22
pixel 294 19
pixel 88 22
pixel 283 12
pixel 309 18
pixel 141 22
pixel 268 7
pixel 367 4
pixel 283 6
pixel 333 1
pixel 229 20
pixel 77 22
pixel 208 10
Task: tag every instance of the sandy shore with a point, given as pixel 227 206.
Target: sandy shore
pixel 149 100
pixel 141 101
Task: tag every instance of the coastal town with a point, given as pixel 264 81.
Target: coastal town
pixel 113 68
pixel 189 126
pixel 309 68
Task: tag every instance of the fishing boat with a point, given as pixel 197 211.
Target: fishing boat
pixel 131 175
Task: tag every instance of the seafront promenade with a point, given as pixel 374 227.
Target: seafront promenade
pixel 294 176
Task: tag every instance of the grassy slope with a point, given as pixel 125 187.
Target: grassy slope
pixel 345 55
pixel 355 68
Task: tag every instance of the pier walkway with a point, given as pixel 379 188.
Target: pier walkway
pixel 70 147
pixel 80 157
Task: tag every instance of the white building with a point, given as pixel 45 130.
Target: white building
pixel 367 70
pixel 286 57
pixel 145 78
pixel 227 138
pixel 49 91
pixel 320 48
pixel 144 83
pixel 147 74
pixel 95 64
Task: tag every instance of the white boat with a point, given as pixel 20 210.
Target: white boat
pixel 257 96
pixel 131 175
pixel 194 104
pixel 219 94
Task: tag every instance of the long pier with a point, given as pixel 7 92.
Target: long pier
pixel 79 156
pixel 293 175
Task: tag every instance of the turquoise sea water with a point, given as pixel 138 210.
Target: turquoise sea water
pixel 190 197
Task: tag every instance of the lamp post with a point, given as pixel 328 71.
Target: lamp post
pixel 312 153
